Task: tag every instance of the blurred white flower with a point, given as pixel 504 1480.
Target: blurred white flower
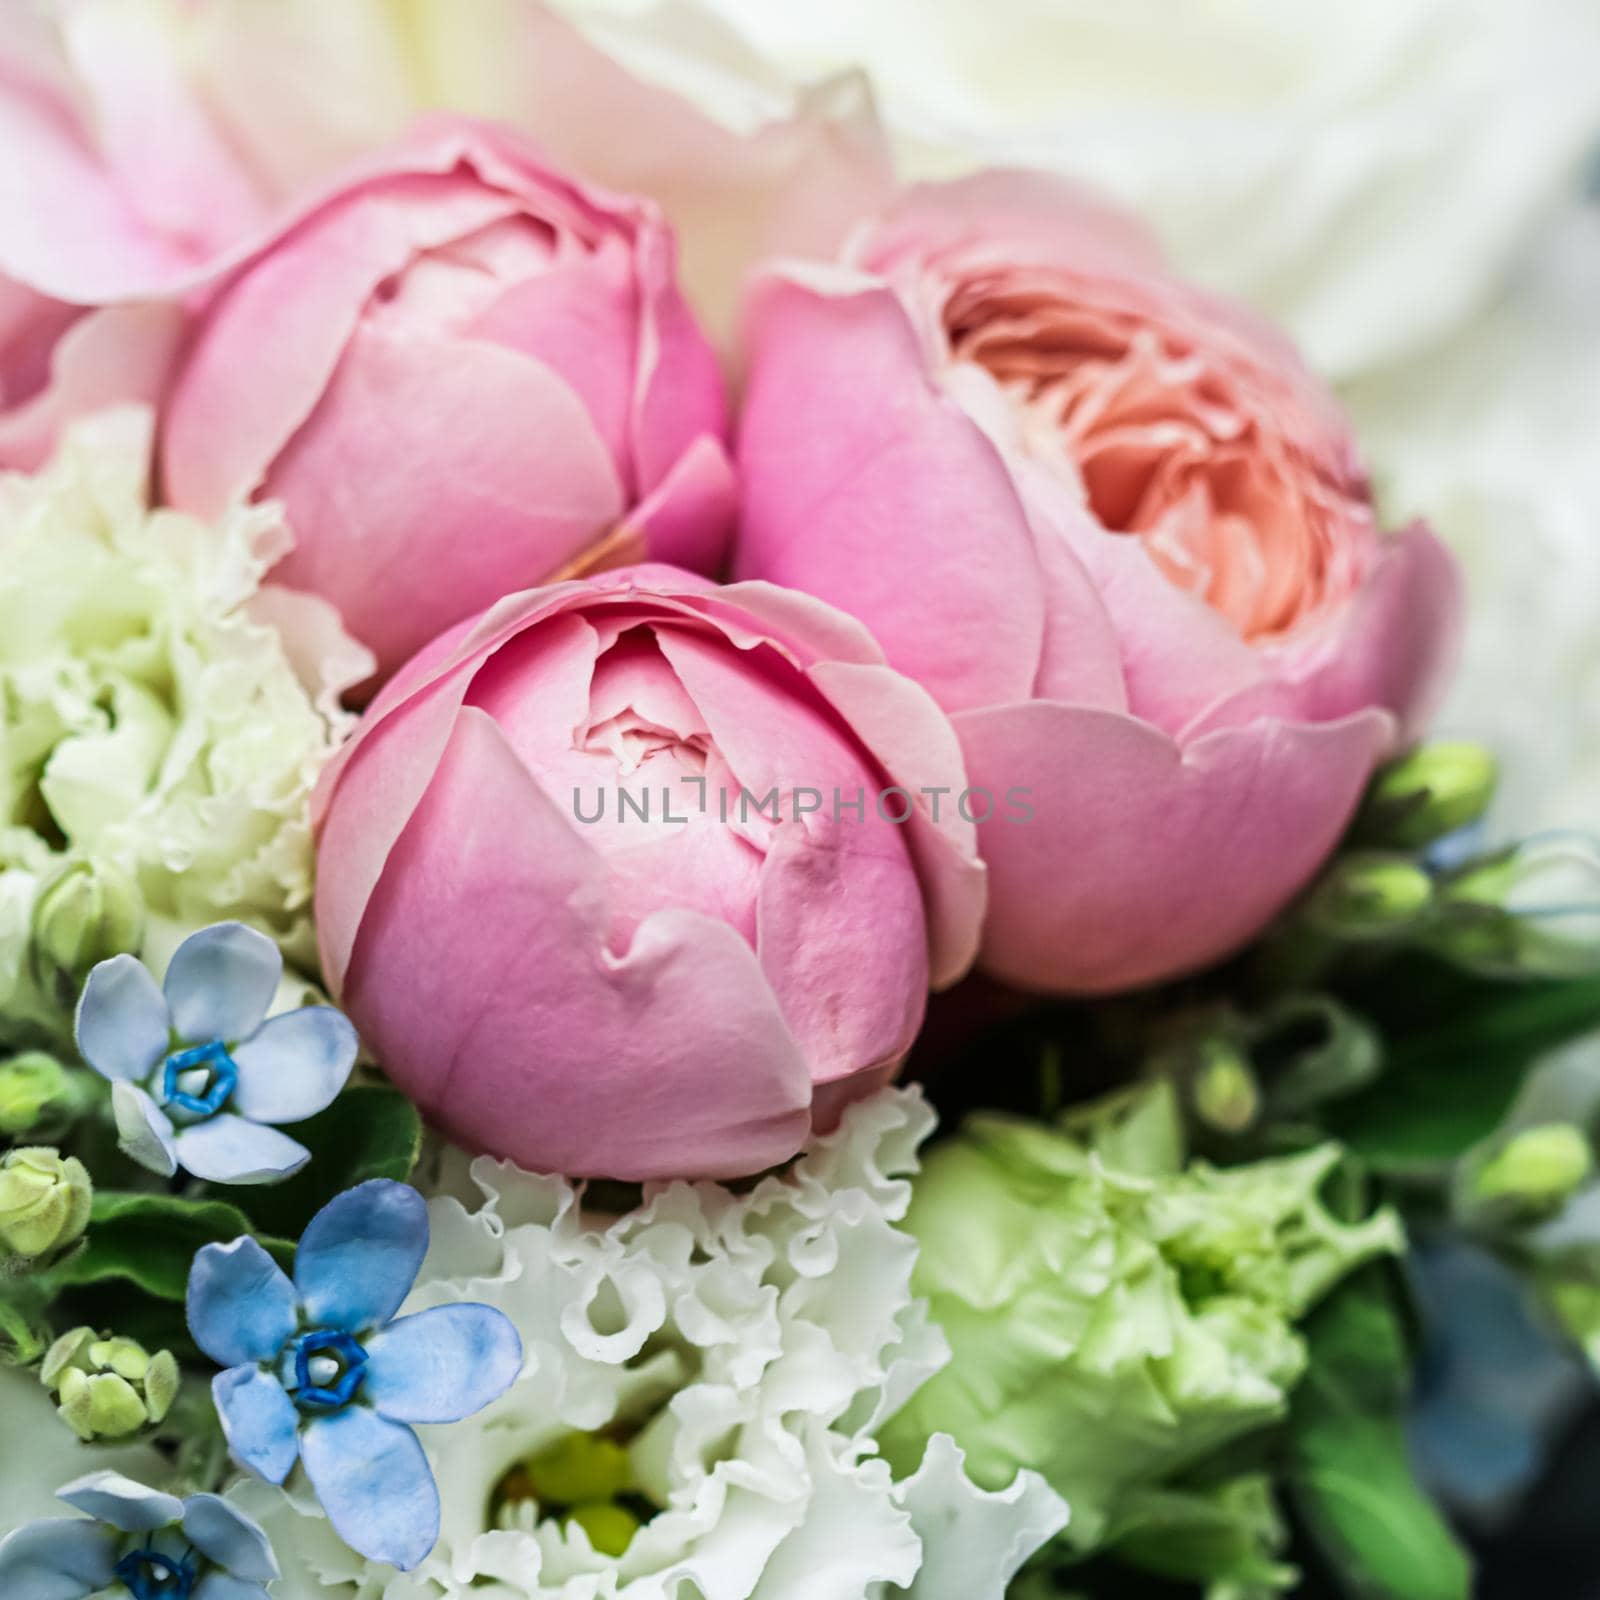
pixel 731 1356
pixel 1495 437
pixel 1363 171
pixel 38 1455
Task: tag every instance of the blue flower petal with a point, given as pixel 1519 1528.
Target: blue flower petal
pixel 224 1586
pixel 241 1307
pixel 144 1131
pixel 109 1497
pixel 375 1484
pixel 295 1065
pixel 229 1539
pixel 228 1149
pixel 259 1421
pixel 360 1254
pixel 60 1558
pixel 221 982
pixel 121 1025
pixel 442 1365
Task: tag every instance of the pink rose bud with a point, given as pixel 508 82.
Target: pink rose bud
pixel 461 372
pixel 1123 537
pixel 610 879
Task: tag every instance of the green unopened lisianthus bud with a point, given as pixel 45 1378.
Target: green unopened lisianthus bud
pixel 89 914
pixel 1225 1092
pixel 1369 895
pixel 1427 794
pixel 107 1387
pixel 44 1201
pixel 30 1086
pixel 1538 1168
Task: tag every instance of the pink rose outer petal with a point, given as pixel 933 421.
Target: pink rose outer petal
pixel 453 471
pixel 669 1058
pixel 867 486
pixel 1144 860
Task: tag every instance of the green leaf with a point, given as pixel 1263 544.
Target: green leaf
pixel 1448 1086
pixel 150 1241
pixel 1349 1472
pixel 370 1131
pixel 1312 1050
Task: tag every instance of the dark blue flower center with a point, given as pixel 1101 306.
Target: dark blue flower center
pixel 199 1081
pixel 149 1575
pixel 328 1369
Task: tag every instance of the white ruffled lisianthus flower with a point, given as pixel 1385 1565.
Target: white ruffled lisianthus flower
pixel 163 715
pixel 742 1350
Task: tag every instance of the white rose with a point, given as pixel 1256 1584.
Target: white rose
pixel 1493 434
pixel 1364 171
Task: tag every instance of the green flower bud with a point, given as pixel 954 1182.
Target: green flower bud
pixel 89 914
pixel 44 1201
pixel 30 1085
pixel 610 1527
pixel 1368 895
pixel 1427 794
pixel 108 1387
pixel 23 1335
pixel 1538 1168
pixel 1532 911
pixel 1224 1089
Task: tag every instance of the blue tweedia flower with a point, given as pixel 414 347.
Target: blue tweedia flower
pixel 318 1370
pixel 197 1070
pixel 139 1542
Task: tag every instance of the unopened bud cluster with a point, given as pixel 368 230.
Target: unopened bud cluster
pixel 108 1388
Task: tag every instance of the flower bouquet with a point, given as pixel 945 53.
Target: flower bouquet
pixel 721 877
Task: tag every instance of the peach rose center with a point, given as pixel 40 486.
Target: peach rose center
pixel 1178 439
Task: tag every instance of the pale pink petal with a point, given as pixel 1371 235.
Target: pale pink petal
pixel 114 356
pixel 579 319
pixel 286 320
pixel 689 517
pixel 1016 215
pixel 161 143
pixel 84 240
pixel 679 397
